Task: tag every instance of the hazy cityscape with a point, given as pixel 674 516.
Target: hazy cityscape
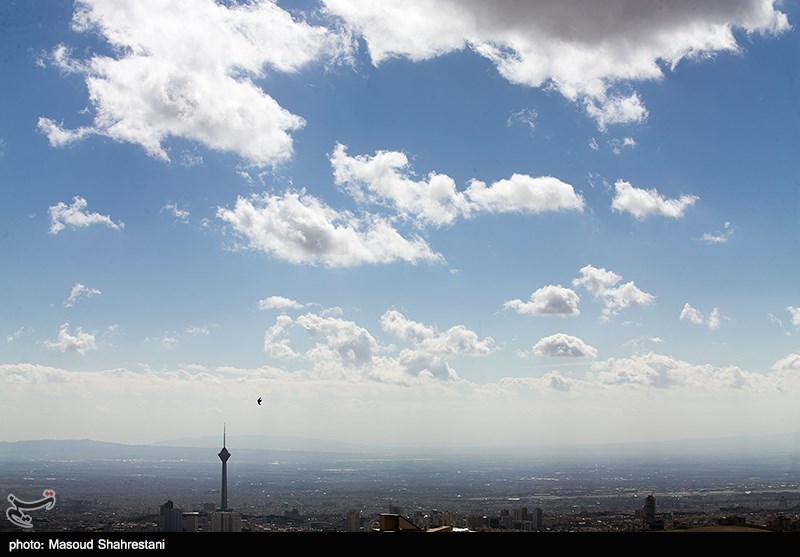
pixel 104 487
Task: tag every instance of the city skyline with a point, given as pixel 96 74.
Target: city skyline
pixel 390 223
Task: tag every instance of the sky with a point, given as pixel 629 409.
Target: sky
pixel 444 223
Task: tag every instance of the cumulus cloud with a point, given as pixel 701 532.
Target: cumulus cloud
pixel 385 178
pixel 720 237
pixel 646 203
pixel 789 363
pixel 548 300
pixel 79 343
pixel 524 194
pixel 346 350
pixel 278 302
pixel 275 342
pixel 76 216
pixel 188 69
pixel 563 345
pixel 693 315
pixel 298 228
pixel 587 51
pixel 78 292
pixel 602 284
pixel 661 372
pixel 431 351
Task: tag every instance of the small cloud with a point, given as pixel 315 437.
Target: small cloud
pixel 790 362
pixel 278 302
pixel 179 214
pixel 694 316
pixel 80 342
pixel 526 116
pixel 593 144
pixel 15 335
pixel 166 341
pixel 602 284
pixel 548 300
pixel 76 216
pixel 617 145
pixel 78 292
pixel 205 331
pixel 646 203
pixel 795 312
pixel 719 237
pixel 562 345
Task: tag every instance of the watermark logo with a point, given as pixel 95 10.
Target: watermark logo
pixel 16 512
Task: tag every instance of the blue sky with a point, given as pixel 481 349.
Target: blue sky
pixel 507 225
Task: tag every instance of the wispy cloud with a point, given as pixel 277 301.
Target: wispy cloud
pixel 720 237
pixel 79 291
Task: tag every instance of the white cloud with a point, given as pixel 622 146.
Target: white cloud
pixel 720 237
pixel 789 363
pixel 167 342
pixel 645 203
pixel 80 343
pixel 526 116
pixel 693 315
pixel 275 342
pixel 548 300
pixel 187 68
pixel 75 215
pixel 617 145
pixel 344 344
pixel 795 312
pixel 195 330
pixel 398 324
pixel 278 302
pixel 560 344
pixel 593 144
pixel 78 292
pixel 525 194
pixel 661 371
pixel 298 228
pixel 385 178
pixel 181 215
pixel 15 335
pixel 587 51
pixel 601 283
pixel 431 351
pixel 348 351
pixel 58 136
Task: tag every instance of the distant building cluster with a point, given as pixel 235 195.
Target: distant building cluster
pixel 83 515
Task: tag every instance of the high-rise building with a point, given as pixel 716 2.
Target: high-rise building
pixel 649 512
pixel 226 521
pixel 169 519
pixel 224 455
pixel 190 521
pixel 536 519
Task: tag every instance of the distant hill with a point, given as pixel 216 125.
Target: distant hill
pixel 782 446
pixel 266 442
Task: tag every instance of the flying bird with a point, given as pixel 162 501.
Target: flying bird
pixel 259 401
